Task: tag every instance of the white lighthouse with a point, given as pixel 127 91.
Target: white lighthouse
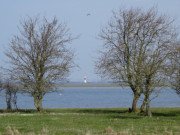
pixel 85 81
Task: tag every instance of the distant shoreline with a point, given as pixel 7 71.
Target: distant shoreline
pixel 101 85
pixel 92 85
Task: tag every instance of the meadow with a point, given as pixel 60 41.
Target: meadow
pixel 100 121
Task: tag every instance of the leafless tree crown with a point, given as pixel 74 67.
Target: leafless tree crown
pixel 136 47
pixel 174 68
pixel 134 41
pixel 39 55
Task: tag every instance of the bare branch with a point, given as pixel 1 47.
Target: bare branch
pixel 40 56
pixel 136 47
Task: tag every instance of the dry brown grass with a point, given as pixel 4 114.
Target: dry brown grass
pixel 14 131
pixel 110 131
pixel 107 131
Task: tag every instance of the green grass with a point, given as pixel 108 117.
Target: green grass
pixel 92 121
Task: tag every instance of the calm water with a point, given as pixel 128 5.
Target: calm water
pixel 100 97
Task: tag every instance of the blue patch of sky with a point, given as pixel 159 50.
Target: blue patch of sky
pixel 83 17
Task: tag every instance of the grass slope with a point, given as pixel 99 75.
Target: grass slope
pixel 90 122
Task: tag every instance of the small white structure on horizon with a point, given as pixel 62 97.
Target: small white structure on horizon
pixel 85 81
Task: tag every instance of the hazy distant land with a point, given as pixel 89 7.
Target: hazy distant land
pixel 91 85
pixel 104 84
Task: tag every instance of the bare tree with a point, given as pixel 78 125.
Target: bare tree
pixel 153 76
pixel 174 68
pixel 40 56
pixel 11 91
pixel 135 48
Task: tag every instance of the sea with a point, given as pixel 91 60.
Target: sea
pixel 96 97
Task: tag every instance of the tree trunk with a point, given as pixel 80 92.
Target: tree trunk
pixel 15 101
pixel 8 99
pixel 135 99
pixel 38 104
pixel 148 111
pixel 143 105
pixel 9 107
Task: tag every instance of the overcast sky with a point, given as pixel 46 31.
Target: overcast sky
pixel 83 17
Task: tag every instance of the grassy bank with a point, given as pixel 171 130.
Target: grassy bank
pixel 90 122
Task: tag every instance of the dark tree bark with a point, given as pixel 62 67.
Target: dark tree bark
pixel 8 99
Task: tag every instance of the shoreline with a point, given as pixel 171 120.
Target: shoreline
pixel 91 85
pixel 101 85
